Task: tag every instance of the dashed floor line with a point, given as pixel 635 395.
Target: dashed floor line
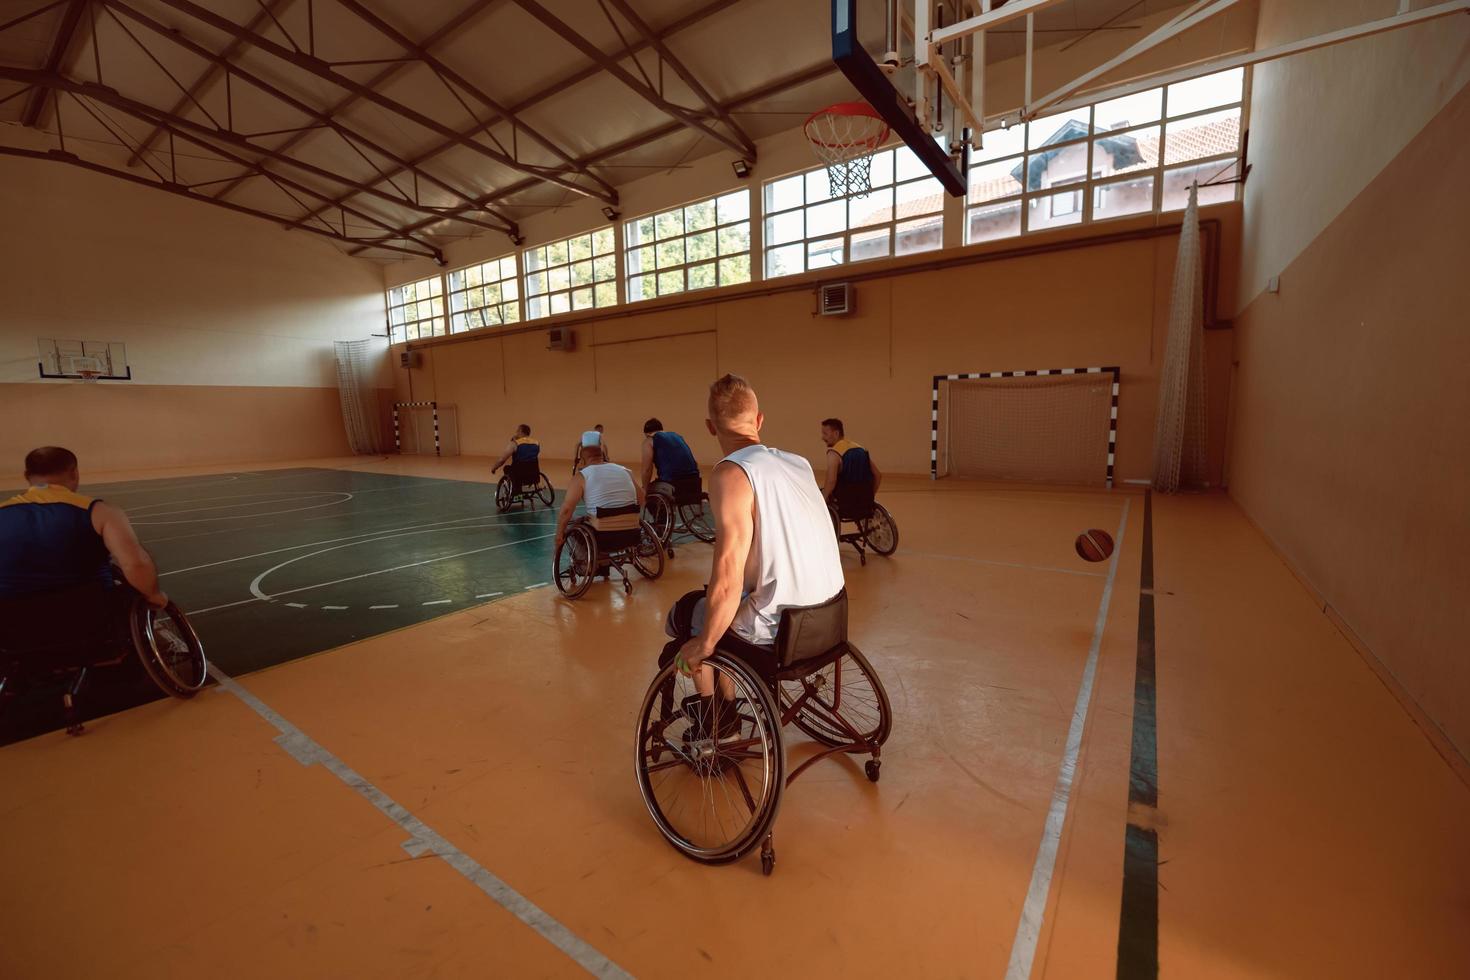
pixel 437 602
pixel 334 607
pixel 391 605
pixel 536 586
pixel 489 595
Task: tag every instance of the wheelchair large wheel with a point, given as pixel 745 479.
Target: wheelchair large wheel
pixel 545 490
pixel 648 557
pixel 880 532
pixel 847 689
pixel 575 565
pixel 696 519
pixel 712 785
pixel 168 648
pixel 503 494
pixel 659 514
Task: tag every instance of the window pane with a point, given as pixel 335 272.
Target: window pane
pixel 536 258
pixel 786 260
pixel 702 276
pixel 1001 143
pixel 1056 167
pixel 882 172
pixel 735 270
pixel 536 283
pixel 825 253
pixel 1124 197
pixel 785 193
pixel 1206 93
pixel 698 217
pixel 1213 134
pixel 922 235
pixel 508 267
pixel 604 268
pixel 457 323
pixel 1054 210
pixel 1130 110
pixel 919 197
pixel 874 209
pixel 825 219
pixel 491 295
pixel 510 289
pixel 818 187
pixel 602 241
pixel 560 303
pixel 605 293
pixel 582 273
pixel 640 287
pixel 1177 181
pixel 579 248
pixel 1060 128
pixel 908 165
pixel 670 253
pixel 639 260
pixel 784 228
pixel 511 312
pixel 668 224
pixel 671 282
pixel 735 238
pixel 869 244
pixel 700 246
pixel 558 278
pixel 991 181
pixel 734 207
pixel 1121 152
pixel 582 299
pixel 556 253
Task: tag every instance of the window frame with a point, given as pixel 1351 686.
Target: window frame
pixel 655 274
pixel 399 332
pixel 549 268
pixel 515 278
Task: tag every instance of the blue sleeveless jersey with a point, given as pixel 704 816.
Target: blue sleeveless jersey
pixel 47 542
pixel 527 450
pixel 854 467
pixel 672 458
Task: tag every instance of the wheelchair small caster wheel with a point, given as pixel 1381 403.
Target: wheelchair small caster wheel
pixel 768 860
pixel 863 560
pixel 871 768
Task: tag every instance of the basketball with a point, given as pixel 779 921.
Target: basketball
pixel 1095 545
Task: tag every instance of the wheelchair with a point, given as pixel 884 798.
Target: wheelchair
pixel 523 482
pixel 606 542
pixel 873 526
pixel 44 639
pixel 679 506
pixel 713 785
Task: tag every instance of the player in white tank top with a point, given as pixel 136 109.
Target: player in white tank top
pixel 774 544
pixel 597 484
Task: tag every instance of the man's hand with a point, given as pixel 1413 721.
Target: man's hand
pixel 157 600
pixel 495 469
pixel 691 655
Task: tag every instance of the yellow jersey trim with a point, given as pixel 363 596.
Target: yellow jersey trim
pixel 47 494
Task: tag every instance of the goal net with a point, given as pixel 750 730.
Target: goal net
pixel 1052 428
pixel 416 430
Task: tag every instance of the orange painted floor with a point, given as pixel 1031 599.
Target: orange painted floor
pixel 1307 827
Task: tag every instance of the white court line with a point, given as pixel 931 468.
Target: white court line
pixel 334 607
pixel 1003 564
pixel 538 584
pixel 1028 930
pixel 346 498
pixel 489 595
pixel 438 602
pixel 297 605
pixel 389 606
pixel 423 839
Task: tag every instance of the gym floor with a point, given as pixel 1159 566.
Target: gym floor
pixel 447 789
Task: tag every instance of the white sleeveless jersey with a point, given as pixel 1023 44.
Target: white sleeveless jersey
pixel 608 485
pixel 793 554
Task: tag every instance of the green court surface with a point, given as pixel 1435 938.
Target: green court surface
pixel 276 565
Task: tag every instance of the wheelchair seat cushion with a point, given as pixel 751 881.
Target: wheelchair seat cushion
pixel 524 473
pixel 854 501
pixel 809 632
pixel 687 490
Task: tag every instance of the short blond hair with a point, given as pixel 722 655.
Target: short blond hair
pixel 731 397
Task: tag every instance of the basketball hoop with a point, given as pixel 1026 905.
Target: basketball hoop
pixel 88 375
pixel 844 137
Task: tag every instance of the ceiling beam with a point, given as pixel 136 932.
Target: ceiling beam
pixel 61 156
pixel 348 134
pixel 575 78
pixel 446 74
pixel 459 20
pixel 686 117
pixel 795 80
pixel 207 77
pixel 71 19
pixel 710 103
pixel 321 69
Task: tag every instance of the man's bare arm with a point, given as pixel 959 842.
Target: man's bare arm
pixel 510 450
pixel 136 564
pixel 834 466
pixel 647 464
pixel 733 501
pixel 575 489
pixel 877 474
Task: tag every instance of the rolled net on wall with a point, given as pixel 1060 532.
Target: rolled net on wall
pixel 357 366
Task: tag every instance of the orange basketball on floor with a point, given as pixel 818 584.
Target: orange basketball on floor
pixel 1095 545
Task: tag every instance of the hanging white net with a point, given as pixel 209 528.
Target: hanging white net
pixel 844 137
pixel 357 363
pixel 1179 432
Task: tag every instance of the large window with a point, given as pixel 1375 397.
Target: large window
pixel 484 295
pixel 416 310
pixel 577 273
pixel 1132 155
pixel 807 228
pixel 694 247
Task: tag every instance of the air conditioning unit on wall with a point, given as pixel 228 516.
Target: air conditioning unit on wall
pixel 835 299
pixel 561 338
pixel 410 359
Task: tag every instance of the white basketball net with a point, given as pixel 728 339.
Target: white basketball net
pixel 844 137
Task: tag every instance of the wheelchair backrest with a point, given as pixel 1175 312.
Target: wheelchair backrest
pixel 616 527
pixel 854 501
pixel 524 472
pixel 688 490
pixel 810 631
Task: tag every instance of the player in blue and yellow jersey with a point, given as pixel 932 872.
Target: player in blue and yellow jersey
pixel 666 457
pixel 55 540
pixel 521 449
pixel 847 462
